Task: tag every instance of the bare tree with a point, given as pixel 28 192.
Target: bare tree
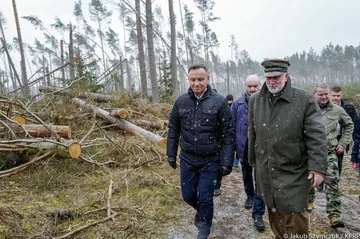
pixel 140 42
pixel 173 49
pixel 22 54
pixel 151 52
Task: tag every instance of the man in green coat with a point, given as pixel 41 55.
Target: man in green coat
pixel 287 145
pixel 333 115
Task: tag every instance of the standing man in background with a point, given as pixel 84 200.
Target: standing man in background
pixel 240 112
pixel 202 121
pixel 336 96
pixel 286 144
pixel 333 115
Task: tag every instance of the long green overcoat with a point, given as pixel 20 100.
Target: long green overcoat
pixel 286 141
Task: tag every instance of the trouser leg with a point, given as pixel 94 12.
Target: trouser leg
pixel 246 169
pixel 333 198
pixel 259 205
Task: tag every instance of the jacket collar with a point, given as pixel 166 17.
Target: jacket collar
pixel 285 94
pixel 206 94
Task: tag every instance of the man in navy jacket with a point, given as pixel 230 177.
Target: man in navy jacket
pixel 202 121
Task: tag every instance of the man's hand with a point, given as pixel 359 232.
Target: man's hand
pixel 318 179
pixel 340 149
pixel 172 162
pixel 225 170
pixel 355 166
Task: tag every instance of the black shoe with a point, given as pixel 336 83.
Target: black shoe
pixel 217 192
pixel 249 203
pixel 320 187
pixel 196 219
pixel 259 224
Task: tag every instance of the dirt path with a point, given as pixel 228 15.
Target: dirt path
pixel 233 221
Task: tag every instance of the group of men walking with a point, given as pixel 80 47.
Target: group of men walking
pixel 290 138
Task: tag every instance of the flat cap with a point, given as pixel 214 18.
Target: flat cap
pixel 275 67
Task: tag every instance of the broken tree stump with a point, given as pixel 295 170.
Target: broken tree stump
pixel 123 124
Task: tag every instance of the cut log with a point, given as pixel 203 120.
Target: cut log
pixel 123 124
pixel 20 119
pixel 70 147
pixel 121 113
pixel 38 130
pixel 150 124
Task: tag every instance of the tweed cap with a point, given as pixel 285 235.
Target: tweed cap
pixel 275 67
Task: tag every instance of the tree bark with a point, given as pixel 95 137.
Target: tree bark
pixel 123 124
pixel 173 50
pixel 120 113
pixel 71 53
pixel 24 78
pixel 62 62
pixel 140 42
pixel 151 51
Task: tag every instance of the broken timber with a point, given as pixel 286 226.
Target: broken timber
pixel 123 124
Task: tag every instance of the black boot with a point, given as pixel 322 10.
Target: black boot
pixel 249 203
pixel 259 223
pixel 196 219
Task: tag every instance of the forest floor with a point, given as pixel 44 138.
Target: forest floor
pixel 233 221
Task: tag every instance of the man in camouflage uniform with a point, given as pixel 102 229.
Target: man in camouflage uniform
pixel 333 114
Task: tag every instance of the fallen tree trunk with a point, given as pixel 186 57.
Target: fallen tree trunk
pixel 38 130
pixel 150 124
pixel 71 148
pixel 123 124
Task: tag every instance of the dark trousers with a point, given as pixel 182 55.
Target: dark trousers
pixel 198 179
pixel 219 178
pixel 259 205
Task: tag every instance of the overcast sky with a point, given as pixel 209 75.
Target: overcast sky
pixel 264 28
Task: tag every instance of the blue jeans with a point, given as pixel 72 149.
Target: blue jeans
pixel 198 179
pixel 259 205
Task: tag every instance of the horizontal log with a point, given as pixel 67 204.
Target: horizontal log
pixel 72 148
pixel 38 130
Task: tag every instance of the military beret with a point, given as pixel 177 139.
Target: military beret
pixel 275 67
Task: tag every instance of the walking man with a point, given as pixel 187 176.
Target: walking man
pixel 240 112
pixel 286 142
pixel 202 121
pixel 336 96
pixel 333 115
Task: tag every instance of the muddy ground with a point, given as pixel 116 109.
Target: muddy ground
pixel 233 221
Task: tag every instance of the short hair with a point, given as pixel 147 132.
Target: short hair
pixel 336 89
pixel 198 66
pixel 322 85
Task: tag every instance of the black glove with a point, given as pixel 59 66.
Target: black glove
pixel 225 170
pixel 172 162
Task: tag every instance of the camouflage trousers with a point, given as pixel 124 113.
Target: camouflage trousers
pixel 333 199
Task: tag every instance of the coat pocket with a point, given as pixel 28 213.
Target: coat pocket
pixel 208 117
pixel 185 116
